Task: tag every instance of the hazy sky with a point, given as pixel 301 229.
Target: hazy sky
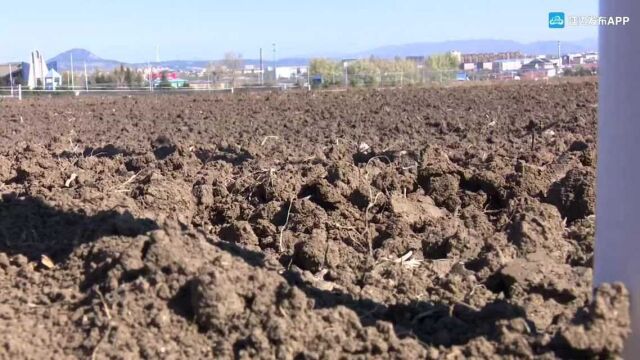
pixel 128 30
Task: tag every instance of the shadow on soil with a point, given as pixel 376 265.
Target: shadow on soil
pixel 30 227
pixel 429 322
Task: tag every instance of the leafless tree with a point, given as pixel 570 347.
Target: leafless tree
pixel 233 63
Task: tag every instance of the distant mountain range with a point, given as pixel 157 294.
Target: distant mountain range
pixel 480 46
pixel 82 56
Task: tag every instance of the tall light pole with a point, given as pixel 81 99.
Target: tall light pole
pixel 275 74
pixel 261 71
pixel 86 78
pixel 617 219
pixel 150 77
pixel 346 73
pixel 72 80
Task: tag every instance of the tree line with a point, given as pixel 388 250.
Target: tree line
pixel 120 77
pixel 374 71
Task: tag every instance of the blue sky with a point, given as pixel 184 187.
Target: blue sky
pixel 128 30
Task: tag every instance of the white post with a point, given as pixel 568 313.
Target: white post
pixel 72 80
pixel 20 92
pixel 346 74
pixel 150 77
pixel 617 219
pixel 86 79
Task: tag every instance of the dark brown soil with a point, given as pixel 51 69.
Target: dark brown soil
pixel 413 223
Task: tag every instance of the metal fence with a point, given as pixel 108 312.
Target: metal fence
pixel 255 82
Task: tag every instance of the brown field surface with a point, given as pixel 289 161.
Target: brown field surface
pixel 440 223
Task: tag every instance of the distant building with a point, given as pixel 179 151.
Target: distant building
pixel 556 62
pixel 11 72
pixel 37 70
pixel 52 80
pixel 572 59
pixel 486 65
pixel 591 57
pixel 251 69
pixel 175 83
pixel 416 59
pixel 290 72
pixel 469 66
pixel 509 64
pixel 491 57
pixel 541 66
pixel 170 77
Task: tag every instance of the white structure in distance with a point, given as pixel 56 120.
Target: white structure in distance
pixel 37 70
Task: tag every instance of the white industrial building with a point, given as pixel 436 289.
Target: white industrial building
pixel 291 72
pixel 37 70
pixel 509 64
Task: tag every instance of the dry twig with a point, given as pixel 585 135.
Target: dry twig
pixel 280 242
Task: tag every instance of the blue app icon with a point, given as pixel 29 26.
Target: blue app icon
pixel 556 20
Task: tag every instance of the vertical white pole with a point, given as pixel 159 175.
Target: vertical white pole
pixel 72 80
pixel 86 79
pixel 346 74
pixel 150 78
pixel 20 92
pixel 11 79
pixel 43 70
pixel 275 72
pixel 617 220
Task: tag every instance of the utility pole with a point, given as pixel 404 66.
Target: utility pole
pixel 275 74
pixel 150 77
pixel 559 66
pixel 346 73
pixel 72 80
pixel 86 79
pixel 261 71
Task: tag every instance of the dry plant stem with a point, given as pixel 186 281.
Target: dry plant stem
pixel 533 140
pixel 264 141
pixel 286 222
pixel 133 177
pixel 107 313
pixel 106 335
pixel 366 223
pixel 104 305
